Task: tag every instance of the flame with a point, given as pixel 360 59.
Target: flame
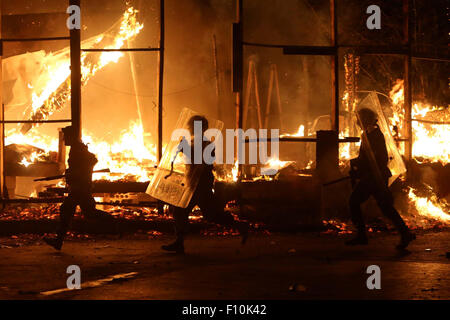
pixel 56 91
pixel 430 141
pixel 34 139
pixel 25 162
pixel 129 28
pixel 396 94
pixel 130 157
pixel 300 132
pixel 272 166
pixel 34 157
pixel 275 163
pixel 430 207
pixel 235 171
pixel 344 148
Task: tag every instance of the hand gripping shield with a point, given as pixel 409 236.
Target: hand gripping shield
pixel 182 163
pixel 395 162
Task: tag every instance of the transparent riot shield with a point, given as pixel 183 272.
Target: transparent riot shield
pixel 181 165
pixel 395 161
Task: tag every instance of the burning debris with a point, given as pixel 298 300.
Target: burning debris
pixel 430 207
pixel 56 91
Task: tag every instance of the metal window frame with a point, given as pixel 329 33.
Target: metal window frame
pixel 404 50
pixel 75 63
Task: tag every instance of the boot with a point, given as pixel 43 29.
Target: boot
pixel 177 247
pixel 407 237
pixel 56 243
pixel 360 239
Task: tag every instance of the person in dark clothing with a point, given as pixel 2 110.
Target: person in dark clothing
pixel 371 175
pixel 79 181
pixel 203 197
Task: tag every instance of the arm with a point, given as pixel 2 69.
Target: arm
pixel 179 149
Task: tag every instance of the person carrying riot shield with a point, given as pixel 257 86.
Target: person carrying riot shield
pixel 190 185
pixel 79 181
pixel 370 173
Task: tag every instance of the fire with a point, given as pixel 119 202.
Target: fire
pixel 25 162
pixel 130 157
pixel 396 94
pixel 431 141
pixel 430 136
pixel 430 207
pixel 34 157
pixel 34 139
pixel 275 163
pixel 344 148
pixel 129 28
pixel 300 132
pixel 235 171
pixel 56 92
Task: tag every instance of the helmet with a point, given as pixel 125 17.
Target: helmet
pixel 367 117
pixel 194 120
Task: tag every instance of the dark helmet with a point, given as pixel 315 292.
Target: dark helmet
pixel 367 116
pixel 195 119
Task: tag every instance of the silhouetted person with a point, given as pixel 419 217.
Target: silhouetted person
pixel 370 180
pixel 203 196
pixel 79 182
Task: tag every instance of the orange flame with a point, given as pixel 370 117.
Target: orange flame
pixel 430 207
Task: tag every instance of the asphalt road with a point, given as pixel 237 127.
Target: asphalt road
pixel 276 266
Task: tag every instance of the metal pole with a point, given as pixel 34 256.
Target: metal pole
pixel 160 206
pixel 239 12
pixel 216 73
pixel 238 67
pixel 75 76
pixel 160 79
pixel 407 78
pixel 135 84
pixel 334 68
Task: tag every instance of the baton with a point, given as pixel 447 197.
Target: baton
pixel 63 175
pixel 336 181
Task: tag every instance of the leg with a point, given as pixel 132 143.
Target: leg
pixel 360 194
pixel 386 203
pixel 213 212
pixel 66 212
pixel 87 205
pixel 181 217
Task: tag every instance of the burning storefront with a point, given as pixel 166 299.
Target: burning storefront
pixel 122 110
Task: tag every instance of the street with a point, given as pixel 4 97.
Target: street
pixel 270 266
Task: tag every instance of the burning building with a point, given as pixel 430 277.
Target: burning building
pixel 306 81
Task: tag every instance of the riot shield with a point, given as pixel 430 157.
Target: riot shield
pixel 178 173
pixel 395 161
